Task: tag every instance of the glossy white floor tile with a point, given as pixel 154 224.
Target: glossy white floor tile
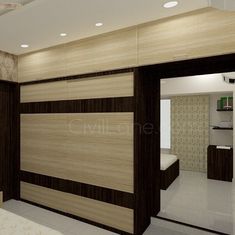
pixel 194 199
pixel 69 226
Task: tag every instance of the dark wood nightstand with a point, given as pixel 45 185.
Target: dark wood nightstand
pixel 219 163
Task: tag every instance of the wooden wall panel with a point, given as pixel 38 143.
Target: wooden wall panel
pixel 95 149
pixel 196 34
pixel 105 52
pixel 118 85
pixel 100 212
pixel 44 92
pixel 9 139
pixel 42 64
pixel 101 53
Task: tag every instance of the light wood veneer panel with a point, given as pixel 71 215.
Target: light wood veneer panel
pixel 109 51
pixel 119 85
pixel 44 92
pixel 91 148
pixel 196 34
pixel 104 52
pixel 114 216
pixel 47 63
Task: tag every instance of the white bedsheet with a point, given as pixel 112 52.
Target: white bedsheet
pixel 167 160
pixel 11 224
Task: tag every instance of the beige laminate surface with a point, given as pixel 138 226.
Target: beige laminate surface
pixel 101 212
pixel 196 34
pixel 92 148
pixel 105 52
pixel 119 85
pixel 48 63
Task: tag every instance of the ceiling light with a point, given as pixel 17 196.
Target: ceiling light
pixel 63 34
pixel 99 24
pixel 170 4
pixel 24 46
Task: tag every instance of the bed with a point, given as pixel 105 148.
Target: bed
pixel 15 225
pixel 169 170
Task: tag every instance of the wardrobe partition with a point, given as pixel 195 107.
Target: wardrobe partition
pixel 85 147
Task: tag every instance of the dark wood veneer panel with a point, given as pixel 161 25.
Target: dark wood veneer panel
pixel 111 196
pixel 219 164
pixel 9 140
pixel 123 104
pixel 146 148
pixel 170 174
pixel 75 77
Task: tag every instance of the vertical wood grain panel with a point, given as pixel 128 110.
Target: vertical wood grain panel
pixel 100 212
pixel 9 155
pixel 90 148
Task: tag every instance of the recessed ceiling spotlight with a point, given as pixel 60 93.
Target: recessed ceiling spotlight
pixel 99 24
pixel 170 4
pixel 24 45
pixel 63 34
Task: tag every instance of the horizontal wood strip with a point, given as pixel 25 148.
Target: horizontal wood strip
pixel 92 148
pixel 115 197
pixel 80 76
pixel 77 218
pixel 123 104
pixel 109 86
pixel 104 213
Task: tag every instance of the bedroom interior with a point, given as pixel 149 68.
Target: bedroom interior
pixel 198 124
pixel 80 149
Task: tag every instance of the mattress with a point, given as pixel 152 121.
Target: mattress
pixel 11 224
pixel 167 160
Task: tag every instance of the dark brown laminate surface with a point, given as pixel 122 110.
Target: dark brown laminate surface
pixel 123 104
pixel 219 164
pixel 111 196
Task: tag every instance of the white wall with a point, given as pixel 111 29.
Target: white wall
pixel 203 84
pixel 166 124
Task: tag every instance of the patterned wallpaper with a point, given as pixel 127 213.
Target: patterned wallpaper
pixel 190 131
pixel 8 66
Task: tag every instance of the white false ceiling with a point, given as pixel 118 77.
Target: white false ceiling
pixel 40 22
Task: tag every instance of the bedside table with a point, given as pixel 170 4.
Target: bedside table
pixel 219 163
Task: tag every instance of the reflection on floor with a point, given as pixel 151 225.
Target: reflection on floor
pixel 69 226
pixel 194 199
